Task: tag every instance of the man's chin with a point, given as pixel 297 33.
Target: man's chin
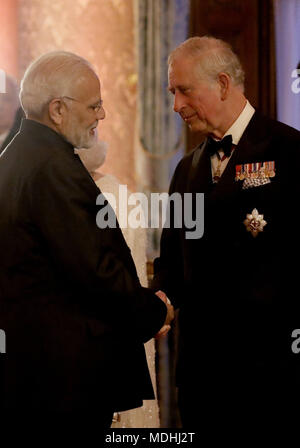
pixel 83 143
pixel 198 126
pixel 86 144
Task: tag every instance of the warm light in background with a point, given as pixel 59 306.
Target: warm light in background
pixel 102 31
pixel 9 37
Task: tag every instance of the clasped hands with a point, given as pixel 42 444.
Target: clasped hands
pixel 170 315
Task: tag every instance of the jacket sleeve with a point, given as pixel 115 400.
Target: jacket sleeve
pixel 94 263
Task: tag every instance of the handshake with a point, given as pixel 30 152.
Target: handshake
pixel 170 315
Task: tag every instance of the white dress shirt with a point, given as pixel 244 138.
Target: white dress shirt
pixel 236 130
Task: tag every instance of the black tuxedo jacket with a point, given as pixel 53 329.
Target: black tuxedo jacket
pixel 71 305
pixel 236 293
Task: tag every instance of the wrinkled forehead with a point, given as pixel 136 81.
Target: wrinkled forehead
pixel 86 86
pixel 186 68
pixel 180 68
pixel 182 62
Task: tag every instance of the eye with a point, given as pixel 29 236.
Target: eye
pixel 97 107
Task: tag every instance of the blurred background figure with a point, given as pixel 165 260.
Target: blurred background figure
pixel 9 104
pixel 14 129
pixel 93 158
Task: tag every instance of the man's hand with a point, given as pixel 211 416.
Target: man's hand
pixel 170 315
pixel 163 332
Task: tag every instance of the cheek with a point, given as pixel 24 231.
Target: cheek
pixel 87 122
pixel 71 124
pixel 203 104
pixel 211 109
pixel 201 108
pixel 81 121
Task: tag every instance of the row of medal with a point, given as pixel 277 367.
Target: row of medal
pixel 255 170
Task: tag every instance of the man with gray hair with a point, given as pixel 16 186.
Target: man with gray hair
pixel 71 305
pixel 235 323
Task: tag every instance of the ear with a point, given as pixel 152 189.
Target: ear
pixel 224 82
pixel 56 110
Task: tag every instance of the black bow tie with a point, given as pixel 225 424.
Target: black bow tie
pixel 213 146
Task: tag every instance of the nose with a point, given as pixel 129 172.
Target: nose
pixel 178 102
pixel 101 113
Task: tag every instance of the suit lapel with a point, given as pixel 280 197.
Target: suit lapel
pixel 199 179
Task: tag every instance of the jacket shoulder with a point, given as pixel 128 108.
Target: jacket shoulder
pixel 261 124
pixel 187 160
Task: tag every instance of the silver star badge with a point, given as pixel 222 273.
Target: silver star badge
pixel 255 222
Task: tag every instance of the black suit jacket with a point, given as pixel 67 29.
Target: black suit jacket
pixel 236 293
pixel 72 307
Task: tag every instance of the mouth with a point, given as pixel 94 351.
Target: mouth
pixel 189 117
pixel 93 130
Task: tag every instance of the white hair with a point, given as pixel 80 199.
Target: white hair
pixel 212 56
pixel 50 76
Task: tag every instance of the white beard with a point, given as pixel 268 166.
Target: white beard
pixel 93 157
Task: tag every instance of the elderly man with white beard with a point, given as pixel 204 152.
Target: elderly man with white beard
pixel 71 305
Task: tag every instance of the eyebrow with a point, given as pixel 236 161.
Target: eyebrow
pixel 97 103
pixel 180 87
